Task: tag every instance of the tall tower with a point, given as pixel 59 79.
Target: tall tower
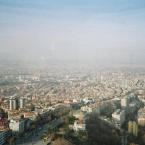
pixel 133 128
pixel 13 103
pixel 22 103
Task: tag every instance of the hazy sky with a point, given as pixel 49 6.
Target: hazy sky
pixel 92 30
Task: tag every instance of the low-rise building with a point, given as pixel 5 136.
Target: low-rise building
pixel 119 116
pixel 141 117
pixel 86 109
pixel 79 126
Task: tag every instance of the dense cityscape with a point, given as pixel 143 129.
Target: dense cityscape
pixel 64 105
pixel 72 72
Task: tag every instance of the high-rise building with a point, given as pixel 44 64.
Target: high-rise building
pixel 133 128
pixel 21 103
pixel 13 103
pixel 130 127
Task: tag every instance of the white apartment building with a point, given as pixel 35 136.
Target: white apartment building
pixel 17 126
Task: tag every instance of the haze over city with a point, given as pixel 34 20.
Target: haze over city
pixel 106 31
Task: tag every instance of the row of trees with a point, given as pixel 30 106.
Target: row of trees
pixel 100 132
